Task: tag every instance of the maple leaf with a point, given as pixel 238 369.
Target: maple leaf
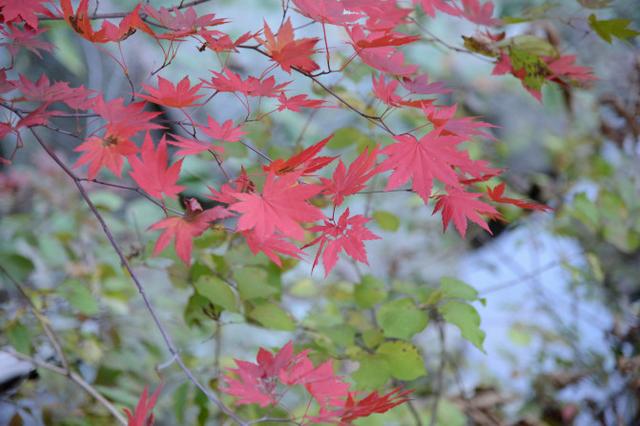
pixel 460 206
pixel 43 90
pixel 287 51
pixel 431 6
pixel 378 38
pixel 223 43
pixel 563 68
pixel 497 194
pixel 183 229
pixel 478 13
pixel 326 11
pixel 384 58
pixel 124 121
pixel 24 38
pixel 106 152
pixel 382 15
pixel 347 234
pixel 225 132
pixel 281 206
pixel 295 103
pixel 420 85
pixel 23 10
pixel 256 383
pixel 271 246
pixel 226 193
pixel 182 23
pixel 228 81
pixel 465 127
pixel 348 182
pixel 386 92
pixel 304 162
pixel 431 157
pixel 178 96
pixel 142 415
pixel 192 146
pixel 80 22
pixel 353 408
pixel 321 382
pixel 151 172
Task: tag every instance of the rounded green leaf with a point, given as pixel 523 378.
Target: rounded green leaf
pixel 404 360
pixel 369 292
pixel 273 316
pixel 253 283
pixel 217 292
pixel 373 372
pixel 386 220
pixel 401 319
pixel 455 289
pixel 466 318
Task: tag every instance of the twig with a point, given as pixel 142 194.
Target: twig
pixel 75 378
pixel 41 318
pixel 439 376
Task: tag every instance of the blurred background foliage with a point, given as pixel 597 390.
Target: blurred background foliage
pixel 535 325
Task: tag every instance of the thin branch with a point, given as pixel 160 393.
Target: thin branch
pixel 41 318
pixel 75 378
pixel 115 15
pixel 439 376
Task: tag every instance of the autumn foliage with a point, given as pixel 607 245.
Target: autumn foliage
pixel 295 207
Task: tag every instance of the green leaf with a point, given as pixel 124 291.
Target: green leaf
pixel 341 335
pixel 80 297
pixel 17 265
pixel 404 360
pixel 253 283
pixel 217 292
pixel 373 372
pixel 180 402
pixel 533 45
pixel 20 338
pixel 609 28
pixel 466 318
pixel 455 289
pixel 270 315
pixel 372 337
pixel 369 292
pixel 401 319
pixel 386 220
pixel 536 70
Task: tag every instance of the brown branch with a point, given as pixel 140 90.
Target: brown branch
pixel 125 263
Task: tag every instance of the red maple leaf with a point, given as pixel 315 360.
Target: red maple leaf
pixel 384 58
pixel 386 92
pixel 80 22
pixel 108 151
pixel 225 132
pixel 281 206
pixel 256 383
pixel 151 172
pixel 43 90
pixel 328 389
pixel 431 6
pixel 25 38
pixel 223 43
pixel 183 229
pixel 23 10
pixel 228 81
pixel 347 234
pixel 564 68
pixel 271 246
pixel 353 408
pixel 420 85
pixel 379 38
pixel 478 13
pixel 295 103
pixel 347 182
pixel 226 193
pixel 182 23
pixel 460 206
pixel 178 96
pixel 192 146
pixel 326 11
pixel 497 194
pixel 124 121
pixel 287 51
pixel 431 157
pixel 142 415
pixel 304 162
